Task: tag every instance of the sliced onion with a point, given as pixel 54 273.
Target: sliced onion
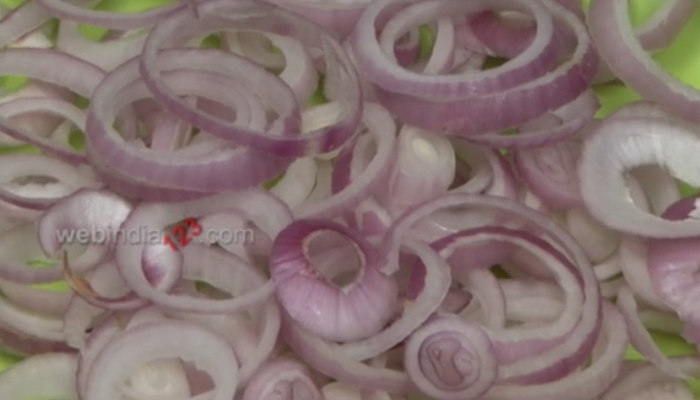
pixel 354 188
pixel 21 245
pixel 451 359
pixel 260 208
pixel 433 292
pixel 338 313
pixel 424 168
pixel 49 375
pixel 157 340
pixel 322 356
pixel 611 29
pixel 18 167
pixel 641 339
pixel 283 379
pixel 673 265
pixel 619 145
pixel 284 139
pixel 378 66
pixel 105 54
pixel 588 383
pixel 72 11
pixel 182 170
pixel 24 19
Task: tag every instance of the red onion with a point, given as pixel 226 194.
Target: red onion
pixel 299 200
pixel 450 359
pixel 54 371
pixel 612 32
pixel 284 379
pixel 344 313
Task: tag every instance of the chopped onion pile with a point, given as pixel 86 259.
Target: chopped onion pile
pixel 297 200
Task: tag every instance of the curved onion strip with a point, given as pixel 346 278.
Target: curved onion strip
pixel 640 337
pixel 634 265
pixel 336 17
pixel 85 210
pixel 57 107
pixel 643 376
pixel 49 375
pixel 53 67
pixel 666 24
pixel 433 293
pixel 38 326
pixel 587 327
pixel 283 139
pixel 377 64
pixel 36 300
pixel 323 356
pixel 157 340
pixel 358 310
pixel 84 308
pixel 21 21
pixel 381 126
pixel 107 55
pixel 550 172
pixel 555 352
pixel 15 167
pixel 226 272
pixel 286 378
pixel 424 167
pixel 259 207
pixel 252 348
pixel 185 169
pixel 21 245
pixel 72 11
pixel 451 359
pixel 299 71
pixel 599 242
pixel 528 300
pixel 297 183
pixel 626 144
pixel 100 336
pixel 488 294
pixel 614 37
pixel 494 112
pixel 586 384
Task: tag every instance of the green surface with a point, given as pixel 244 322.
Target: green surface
pixel 12 3
pixel 427 41
pixel 11 84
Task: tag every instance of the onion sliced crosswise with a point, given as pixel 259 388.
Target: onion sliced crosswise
pixel 451 359
pixel 49 375
pixel 629 143
pixel 345 200
pixel 158 340
pixel 356 311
